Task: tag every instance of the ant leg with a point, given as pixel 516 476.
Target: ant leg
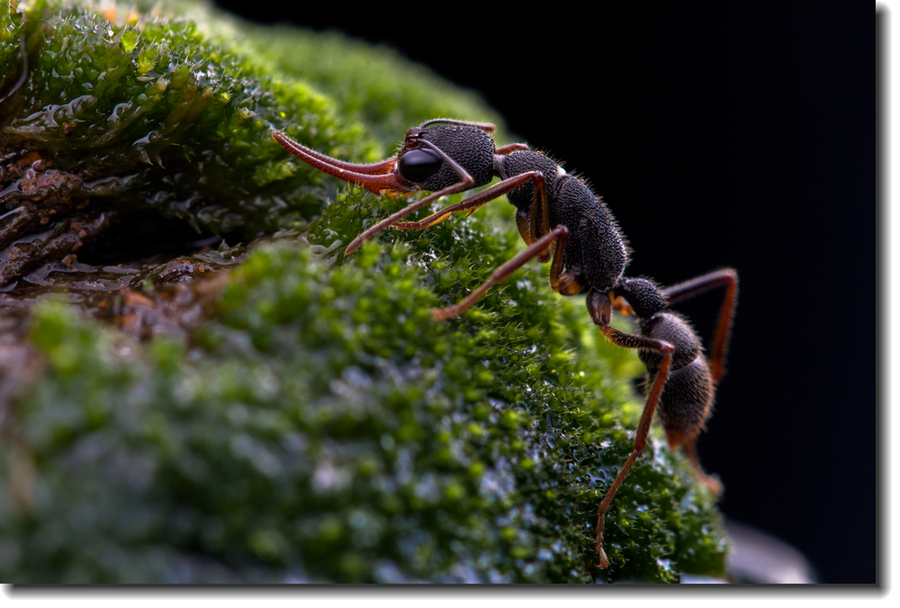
pixel 535 222
pixel 396 217
pixel 539 245
pixel 465 182
pixel 472 203
pixel 643 430
pixel 539 216
pixel 599 307
pixel 503 271
pixel 692 287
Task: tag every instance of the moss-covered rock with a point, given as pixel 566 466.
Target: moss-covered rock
pixel 153 111
pixel 314 424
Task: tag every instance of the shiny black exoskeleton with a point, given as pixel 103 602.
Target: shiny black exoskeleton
pixel 559 216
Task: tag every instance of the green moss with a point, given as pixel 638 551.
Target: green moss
pixel 371 87
pixel 318 426
pixel 326 433
pixel 159 113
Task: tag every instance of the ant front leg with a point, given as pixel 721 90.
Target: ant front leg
pixel 600 309
pixel 465 182
pixel 472 203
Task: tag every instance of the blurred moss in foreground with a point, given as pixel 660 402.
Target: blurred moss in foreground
pixel 318 426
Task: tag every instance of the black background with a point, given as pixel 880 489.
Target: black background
pixel 720 134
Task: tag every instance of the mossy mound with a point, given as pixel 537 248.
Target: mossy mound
pixel 156 112
pixel 315 424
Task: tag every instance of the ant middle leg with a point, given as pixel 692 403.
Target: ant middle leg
pixel 535 229
pixel 557 235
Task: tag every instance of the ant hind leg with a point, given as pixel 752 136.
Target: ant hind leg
pixel 697 285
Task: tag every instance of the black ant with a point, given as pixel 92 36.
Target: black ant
pixel 559 216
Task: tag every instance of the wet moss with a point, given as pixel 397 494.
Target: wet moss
pixel 321 427
pixel 157 112
pixel 316 425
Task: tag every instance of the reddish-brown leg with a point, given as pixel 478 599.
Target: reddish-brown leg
pixel 465 182
pixel 600 307
pixel 470 204
pixel 682 291
pixel 542 244
pixel 396 217
pixel 541 240
pixel 697 285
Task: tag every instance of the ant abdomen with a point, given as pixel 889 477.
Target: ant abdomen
pixel 686 401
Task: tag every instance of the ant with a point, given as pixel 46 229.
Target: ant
pixel 559 216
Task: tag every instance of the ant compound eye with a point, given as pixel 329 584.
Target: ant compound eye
pixel 418 165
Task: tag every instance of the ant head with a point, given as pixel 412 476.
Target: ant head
pixel 436 154
pixel 427 157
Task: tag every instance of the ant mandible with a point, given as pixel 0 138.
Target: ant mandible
pixel 559 216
